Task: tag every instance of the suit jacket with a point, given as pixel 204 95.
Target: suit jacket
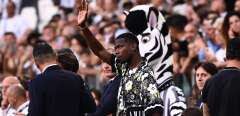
pixel 57 92
pixel 108 104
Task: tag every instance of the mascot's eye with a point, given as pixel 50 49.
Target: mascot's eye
pixel 145 39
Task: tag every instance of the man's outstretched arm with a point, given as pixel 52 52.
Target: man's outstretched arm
pixel 94 44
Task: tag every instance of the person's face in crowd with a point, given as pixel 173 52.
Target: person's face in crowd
pixel 76 47
pixel 86 58
pixel 68 31
pixel 8 81
pixel 123 49
pixel 72 19
pixel 10 9
pixel 190 32
pixel 48 34
pixel 218 5
pixel 237 6
pixel 209 29
pixel 8 39
pixel 234 24
pixel 110 5
pixel 107 71
pixel 11 98
pixel 201 77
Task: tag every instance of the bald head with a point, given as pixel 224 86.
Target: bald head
pixel 16 91
pixel 16 95
pixel 8 81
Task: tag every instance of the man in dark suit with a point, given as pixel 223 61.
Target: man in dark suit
pixel 56 92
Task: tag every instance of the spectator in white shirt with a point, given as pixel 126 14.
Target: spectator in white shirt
pixel 17 99
pixel 3 7
pixel 13 23
pixel 6 83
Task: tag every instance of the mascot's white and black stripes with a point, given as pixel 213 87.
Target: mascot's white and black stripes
pixel 155 45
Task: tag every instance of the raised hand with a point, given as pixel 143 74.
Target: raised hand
pixel 82 7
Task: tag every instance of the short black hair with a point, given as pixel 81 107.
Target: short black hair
pixel 42 52
pixel 233 49
pixel 67 59
pixel 128 37
pixel 177 21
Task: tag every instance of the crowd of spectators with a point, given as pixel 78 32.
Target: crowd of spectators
pixel 200 30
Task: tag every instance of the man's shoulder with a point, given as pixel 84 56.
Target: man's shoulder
pixel 71 74
pixel 226 73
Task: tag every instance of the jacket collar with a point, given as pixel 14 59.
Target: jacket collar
pixel 51 67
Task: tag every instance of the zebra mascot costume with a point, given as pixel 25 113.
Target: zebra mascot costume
pixel 149 25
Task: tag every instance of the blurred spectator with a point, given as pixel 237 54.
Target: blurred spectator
pixel 49 35
pixel 230 26
pixel 237 6
pixel 9 58
pixel 13 23
pixel 218 6
pixel 203 71
pixel 176 25
pixel 3 7
pixel 6 83
pixel 17 99
pixel 108 103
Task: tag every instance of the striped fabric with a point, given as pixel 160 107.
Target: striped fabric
pixel 156 46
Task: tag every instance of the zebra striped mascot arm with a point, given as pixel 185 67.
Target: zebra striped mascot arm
pixel 149 25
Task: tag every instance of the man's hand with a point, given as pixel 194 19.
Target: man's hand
pixel 82 7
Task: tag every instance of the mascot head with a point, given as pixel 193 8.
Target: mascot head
pixel 149 25
pixel 141 17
